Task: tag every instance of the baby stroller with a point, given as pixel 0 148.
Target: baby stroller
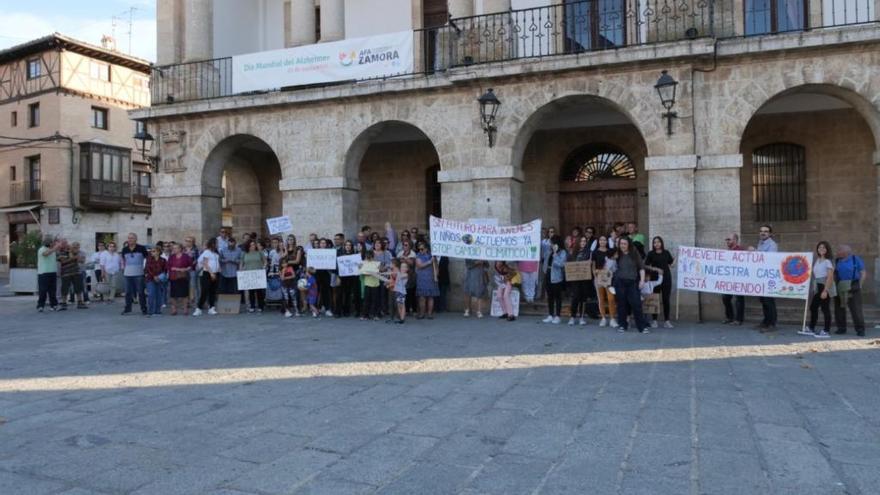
pixel 274 293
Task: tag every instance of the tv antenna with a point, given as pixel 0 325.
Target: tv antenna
pixel 121 17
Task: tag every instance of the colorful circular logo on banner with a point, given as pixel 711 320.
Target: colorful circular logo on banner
pixel 467 239
pixel 795 269
pixel 346 58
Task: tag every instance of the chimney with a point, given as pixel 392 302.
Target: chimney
pixel 108 43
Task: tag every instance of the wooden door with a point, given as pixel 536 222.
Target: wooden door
pixel 599 209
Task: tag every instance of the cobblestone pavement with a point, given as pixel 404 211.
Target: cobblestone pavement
pixel 93 402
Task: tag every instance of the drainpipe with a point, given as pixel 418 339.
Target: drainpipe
pixel 73 202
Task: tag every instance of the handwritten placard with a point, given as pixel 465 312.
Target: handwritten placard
pixel 251 279
pixel 576 271
pixel 321 259
pixel 603 278
pixel 350 265
pixel 279 225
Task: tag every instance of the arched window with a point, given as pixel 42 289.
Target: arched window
pixel 779 182
pixel 594 162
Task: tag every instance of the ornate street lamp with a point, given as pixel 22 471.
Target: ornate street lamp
pixel 666 87
pixel 489 104
pixel 143 141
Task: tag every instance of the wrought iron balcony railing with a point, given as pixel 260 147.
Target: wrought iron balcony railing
pixel 568 28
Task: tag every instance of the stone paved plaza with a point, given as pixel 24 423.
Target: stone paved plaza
pixel 92 402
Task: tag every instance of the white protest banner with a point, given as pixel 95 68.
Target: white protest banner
pixel 485 242
pixel 279 225
pixel 251 279
pixel 347 60
pixel 321 259
pixel 484 221
pixel 745 273
pixel 349 265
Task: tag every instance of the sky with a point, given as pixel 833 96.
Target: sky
pixel 86 20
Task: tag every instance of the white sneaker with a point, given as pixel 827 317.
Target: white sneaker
pixel 287 314
pixel 548 319
pixel 613 323
pixel 604 322
pixel 571 322
pixel 212 311
pixel 582 322
pixel 197 312
pixel 668 324
pixel 654 324
pixel 467 313
pixel 556 320
pixel 328 313
pixel 251 310
pixel 822 335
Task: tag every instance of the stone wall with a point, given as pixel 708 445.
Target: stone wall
pixel 393 178
pixel 841 180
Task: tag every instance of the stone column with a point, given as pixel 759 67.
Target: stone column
pixel 180 211
pixel 671 210
pixel 495 6
pixel 332 20
pixel 168 31
pixel 198 30
pixel 463 8
pixel 302 22
pixel 717 197
pixel 475 192
pixel 321 205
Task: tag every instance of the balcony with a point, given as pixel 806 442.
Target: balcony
pixel 140 196
pixel 567 29
pixel 105 194
pixel 25 192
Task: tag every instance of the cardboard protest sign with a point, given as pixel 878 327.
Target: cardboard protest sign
pixel 576 271
pixel 651 304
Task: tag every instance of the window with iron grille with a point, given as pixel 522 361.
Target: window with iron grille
pixel 597 161
pixel 779 182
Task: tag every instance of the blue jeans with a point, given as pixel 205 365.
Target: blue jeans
pixel 135 286
pixel 154 298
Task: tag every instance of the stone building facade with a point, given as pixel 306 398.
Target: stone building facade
pixel 85 184
pixel 343 152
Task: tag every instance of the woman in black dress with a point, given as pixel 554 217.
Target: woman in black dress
pixel 661 259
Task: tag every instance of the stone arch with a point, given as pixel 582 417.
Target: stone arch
pixel 355 152
pixel 218 137
pixel 538 113
pixel 253 172
pixel 860 103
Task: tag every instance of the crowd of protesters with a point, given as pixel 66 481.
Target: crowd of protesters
pixel 399 277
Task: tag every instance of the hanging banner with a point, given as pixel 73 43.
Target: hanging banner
pixel 745 273
pixel 485 242
pixel 347 60
pixel 321 259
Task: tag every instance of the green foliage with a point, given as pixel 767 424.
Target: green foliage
pixel 24 250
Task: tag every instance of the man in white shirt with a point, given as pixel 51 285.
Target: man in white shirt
pixel 110 262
